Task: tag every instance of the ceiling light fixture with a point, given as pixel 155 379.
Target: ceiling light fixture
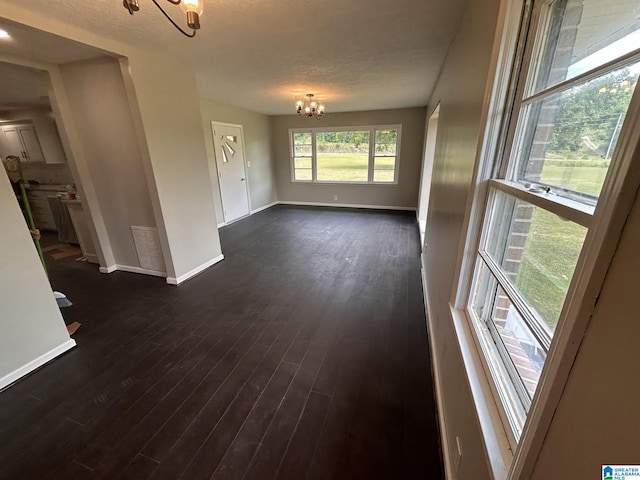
pixel 193 9
pixel 4 34
pixel 310 107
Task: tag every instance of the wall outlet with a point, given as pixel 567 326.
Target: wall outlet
pixel 249 164
pixel 335 198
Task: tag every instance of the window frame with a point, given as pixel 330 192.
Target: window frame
pixel 371 156
pixel 510 62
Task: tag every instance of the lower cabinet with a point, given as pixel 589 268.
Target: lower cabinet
pixel 42 214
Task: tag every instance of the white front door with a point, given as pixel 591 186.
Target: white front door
pixel 232 176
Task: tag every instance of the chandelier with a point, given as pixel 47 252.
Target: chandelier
pixel 193 9
pixel 310 107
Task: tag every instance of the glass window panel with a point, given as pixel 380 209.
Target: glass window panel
pixel 302 150
pixel 383 176
pixel 385 148
pixel 343 156
pixel 384 169
pixel 567 140
pixel 303 174
pixel 302 138
pixel 304 162
pixel 537 250
pixel 518 345
pixel 343 167
pixel 525 352
pixel 578 36
pixel 387 137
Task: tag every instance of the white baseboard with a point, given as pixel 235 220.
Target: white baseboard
pixel 36 363
pixel 92 258
pixel 223 224
pixel 348 205
pixel 437 380
pixel 195 271
pixel 257 210
pixel 130 269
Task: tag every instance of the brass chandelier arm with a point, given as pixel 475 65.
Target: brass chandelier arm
pixel 178 27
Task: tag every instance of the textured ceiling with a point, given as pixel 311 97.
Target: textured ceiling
pixel 258 54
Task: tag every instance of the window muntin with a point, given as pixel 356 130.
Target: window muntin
pixel 507 308
pixel 346 155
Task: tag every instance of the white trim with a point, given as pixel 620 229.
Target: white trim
pixel 437 380
pixel 616 201
pixel 372 154
pixel 195 271
pixel 563 207
pixel 92 258
pixel 257 210
pixel 130 269
pixel 496 442
pixel 18 373
pixel 347 205
pixel 109 269
pixel 223 224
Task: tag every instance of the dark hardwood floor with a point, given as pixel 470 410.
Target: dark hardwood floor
pixel 303 355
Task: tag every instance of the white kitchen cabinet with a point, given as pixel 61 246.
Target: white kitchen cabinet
pixel 40 209
pixel 22 141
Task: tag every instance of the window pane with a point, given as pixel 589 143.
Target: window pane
pixel 389 137
pixel 537 250
pixel 579 36
pixel 303 174
pixel 302 150
pixel 302 138
pixel 384 169
pixel 568 139
pixel 304 162
pixel 520 348
pixel 385 148
pixel 343 156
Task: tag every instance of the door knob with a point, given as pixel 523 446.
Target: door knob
pixel 242 179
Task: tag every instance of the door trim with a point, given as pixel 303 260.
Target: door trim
pixel 214 123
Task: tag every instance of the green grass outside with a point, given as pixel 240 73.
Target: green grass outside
pixel 346 167
pixel 553 244
pixel 584 179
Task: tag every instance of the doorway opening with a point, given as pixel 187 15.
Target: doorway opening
pixel 431 134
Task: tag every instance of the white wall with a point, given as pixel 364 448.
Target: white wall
pixel 460 92
pixel 257 140
pixel 32 330
pixel 404 194
pixel 98 101
pixel 596 422
pixel 170 124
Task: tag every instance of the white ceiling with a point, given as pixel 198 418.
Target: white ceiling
pixel 258 54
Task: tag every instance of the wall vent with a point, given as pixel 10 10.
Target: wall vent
pixel 147 245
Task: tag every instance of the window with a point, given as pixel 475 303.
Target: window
pixel 346 155
pixel 569 106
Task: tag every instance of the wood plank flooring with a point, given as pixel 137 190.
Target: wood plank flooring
pixel 303 355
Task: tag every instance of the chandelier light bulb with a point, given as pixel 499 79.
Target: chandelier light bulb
pixel 310 107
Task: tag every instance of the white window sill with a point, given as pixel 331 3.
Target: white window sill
pixel 496 443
